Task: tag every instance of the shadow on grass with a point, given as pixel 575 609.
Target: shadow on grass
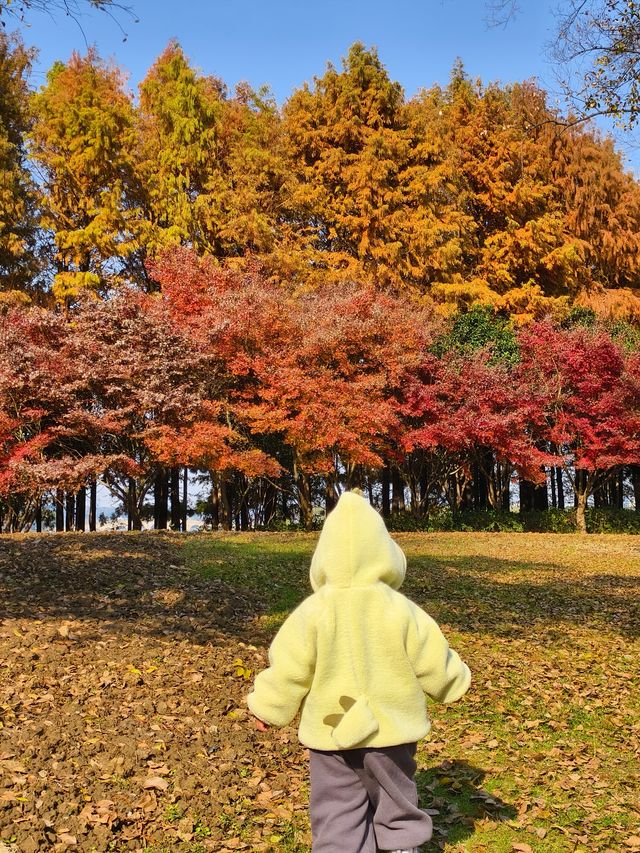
pixel 130 582
pixel 466 593
pixel 201 585
pixel 453 794
pixel 493 595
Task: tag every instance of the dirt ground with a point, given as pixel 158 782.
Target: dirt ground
pixel 122 721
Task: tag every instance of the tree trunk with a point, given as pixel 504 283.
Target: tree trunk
pixel 243 508
pixel 329 494
pixel 370 490
pixel 619 489
pixel 270 503
pixel 386 482
pixel 185 497
pixel 580 485
pixel 93 503
pixel 38 516
pixel 560 487
pixel 133 510
pixel 70 502
pixel 526 495
pixel 581 493
pixel 581 505
pixel 215 502
pixel 59 500
pixel 303 484
pixel 635 480
pixel 480 481
pixel 81 509
pixel 161 499
pixel 541 496
pixel 554 496
pixel 225 503
pixel 174 489
pixel 397 500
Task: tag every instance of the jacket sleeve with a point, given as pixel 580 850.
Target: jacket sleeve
pixel 279 690
pixel 440 671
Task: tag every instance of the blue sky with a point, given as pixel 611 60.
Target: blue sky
pixel 282 43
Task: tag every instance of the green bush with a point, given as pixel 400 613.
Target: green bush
pixel 538 521
pixel 445 520
pixel 549 521
pixel 613 521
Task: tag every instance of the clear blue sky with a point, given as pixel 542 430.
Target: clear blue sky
pixel 282 43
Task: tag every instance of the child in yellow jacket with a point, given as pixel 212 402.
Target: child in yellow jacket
pixel 358 657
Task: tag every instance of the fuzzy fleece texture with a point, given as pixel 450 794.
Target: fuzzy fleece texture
pixel 357 656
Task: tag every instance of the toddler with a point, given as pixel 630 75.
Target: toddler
pixel 358 658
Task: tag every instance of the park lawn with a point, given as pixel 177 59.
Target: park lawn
pixel 544 751
pixel 124 660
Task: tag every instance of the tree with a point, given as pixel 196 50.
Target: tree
pixel 178 128
pixel 327 386
pixel 348 149
pixel 553 214
pixel 20 9
pixel 82 143
pixel 596 45
pixel 17 197
pixel 592 403
pixel 479 411
pixel 220 314
pixel 255 182
pixel 51 433
pixel 313 373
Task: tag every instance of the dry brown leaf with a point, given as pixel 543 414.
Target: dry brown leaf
pixel 156 782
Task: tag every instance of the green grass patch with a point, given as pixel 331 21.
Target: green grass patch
pixel 543 749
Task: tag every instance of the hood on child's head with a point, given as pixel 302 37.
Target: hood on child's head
pixel 355 549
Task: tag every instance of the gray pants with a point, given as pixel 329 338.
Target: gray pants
pixel 365 799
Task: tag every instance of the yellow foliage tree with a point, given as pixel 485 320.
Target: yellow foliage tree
pixel 83 141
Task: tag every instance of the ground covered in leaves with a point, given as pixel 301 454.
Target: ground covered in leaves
pixel 124 660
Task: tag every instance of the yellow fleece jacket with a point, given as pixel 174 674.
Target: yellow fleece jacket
pixel 357 655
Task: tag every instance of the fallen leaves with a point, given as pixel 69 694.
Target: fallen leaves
pixel 120 724
pixel 156 782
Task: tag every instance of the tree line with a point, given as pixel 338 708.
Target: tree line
pixel 423 296
pixel 284 398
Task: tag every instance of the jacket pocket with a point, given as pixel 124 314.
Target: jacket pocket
pixel 356 725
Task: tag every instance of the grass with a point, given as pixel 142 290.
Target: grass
pixel 544 749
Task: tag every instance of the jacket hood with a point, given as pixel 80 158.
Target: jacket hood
pixel 355 549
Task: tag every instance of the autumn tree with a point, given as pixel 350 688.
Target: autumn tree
pixel 478 411
pixel 551 214
pixel 256 186
pixel 327 388
pixel 82 144
pixel 592 403
pixel 53 433
pixel 348 149
pixel 222 315
pixel 178 141
pixel 596 48
pixel 17 199
pixel 601 204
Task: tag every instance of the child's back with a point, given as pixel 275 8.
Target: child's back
pixel 359 657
